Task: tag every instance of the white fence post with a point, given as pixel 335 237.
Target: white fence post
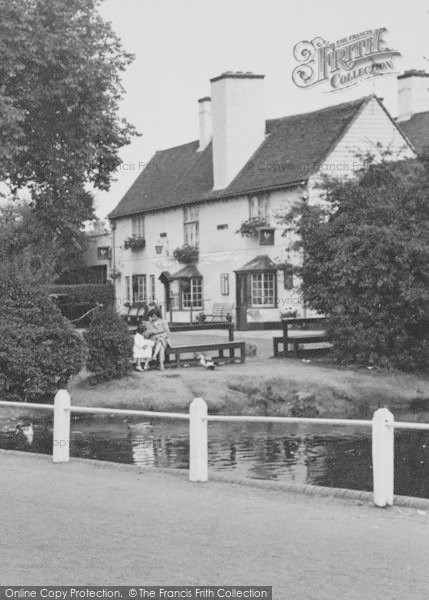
pixel 198 453
pixel 383 457
pixel 61 442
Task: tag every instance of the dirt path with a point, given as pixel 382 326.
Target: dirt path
pixel 89 523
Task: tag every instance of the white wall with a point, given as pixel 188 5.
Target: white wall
pixel 221 251
pixel 371 127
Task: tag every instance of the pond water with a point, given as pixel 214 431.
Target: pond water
pixel 329 456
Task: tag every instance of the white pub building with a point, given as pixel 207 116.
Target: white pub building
pixel 199 225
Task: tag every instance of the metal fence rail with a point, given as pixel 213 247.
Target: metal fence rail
pixel 382 427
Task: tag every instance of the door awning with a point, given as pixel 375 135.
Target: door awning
pixel 262 262
pixel 187 272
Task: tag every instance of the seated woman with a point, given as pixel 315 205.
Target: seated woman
pixel 159 332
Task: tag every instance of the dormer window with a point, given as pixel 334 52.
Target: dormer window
pixel 191 226
pixel 137 225
pixel 258 207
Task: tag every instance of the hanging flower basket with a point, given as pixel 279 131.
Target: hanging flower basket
pixel 115 275
pixel 135 243
pixel 250 228
pixel 186 254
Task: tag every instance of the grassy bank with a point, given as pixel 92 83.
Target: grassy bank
pixel 268 386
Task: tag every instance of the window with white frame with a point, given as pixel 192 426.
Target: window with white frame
pixel 186 293
pixel 137 224
pixel 139 288
pixel 175 294
pixel 258 207
pixel 263 288
pixel 224 284
pixel 128 289
pixel 191 225
pixel 192 293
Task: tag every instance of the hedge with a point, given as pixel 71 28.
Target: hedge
pixel 82 293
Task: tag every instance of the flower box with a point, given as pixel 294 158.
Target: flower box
pixel 186 254
pixel 135 243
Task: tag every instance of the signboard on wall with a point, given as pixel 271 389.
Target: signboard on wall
pixel 266 237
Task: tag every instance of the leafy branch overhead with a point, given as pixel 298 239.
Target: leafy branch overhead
pixel 60 92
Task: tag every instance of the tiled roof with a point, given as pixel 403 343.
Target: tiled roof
pixel 416 130
pixel 291 151
pixel 262 262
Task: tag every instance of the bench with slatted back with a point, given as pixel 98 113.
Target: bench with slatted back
pixel 300 338
pixel 222 311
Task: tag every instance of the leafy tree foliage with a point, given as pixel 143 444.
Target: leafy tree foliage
pixel 109 344
pixel 39 349
pixel 60 131
pixel 366 263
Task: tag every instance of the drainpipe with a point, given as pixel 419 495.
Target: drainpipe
pixel 113 226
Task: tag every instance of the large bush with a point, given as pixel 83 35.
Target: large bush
pixel 39 349
pixel 366 263
pixel 109 345
pixel 81 293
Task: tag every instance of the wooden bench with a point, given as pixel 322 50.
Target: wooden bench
pixel 174 354
pixel 221 311
pixel 299 338
pixel 188 327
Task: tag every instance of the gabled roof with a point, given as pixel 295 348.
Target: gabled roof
pixel 416 129
pixel 262 262
pixel 187 272
pixel 292 150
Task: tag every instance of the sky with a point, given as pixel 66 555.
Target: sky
pixel 180 44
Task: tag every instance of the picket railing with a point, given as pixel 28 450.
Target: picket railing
pixel 382 427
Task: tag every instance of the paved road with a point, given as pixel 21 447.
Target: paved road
pixel 91 523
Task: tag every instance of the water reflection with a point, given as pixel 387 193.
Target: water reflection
pixel 290 453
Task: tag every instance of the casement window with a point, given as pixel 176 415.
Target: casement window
pixel 192 291
pixel 128 289
pixel 152 288
pixel 137 224
pixel 259 207
pixel 263 288
pixel 186 293
pixel 191 225
pixel 224 284
pixel 139 288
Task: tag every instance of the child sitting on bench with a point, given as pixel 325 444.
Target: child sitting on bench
pixel 142 348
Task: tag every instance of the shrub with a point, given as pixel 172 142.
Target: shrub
pixel 109 345
pixel 366 263
pixel 39 350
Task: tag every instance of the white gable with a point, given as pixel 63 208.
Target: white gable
pixel 371 128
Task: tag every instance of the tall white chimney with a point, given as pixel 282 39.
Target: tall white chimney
pixel 238 122
pixel 413 94
pixel 205 118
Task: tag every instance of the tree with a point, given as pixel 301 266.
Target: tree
pixel 59 99
pixel 39 349
pixel 366 263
